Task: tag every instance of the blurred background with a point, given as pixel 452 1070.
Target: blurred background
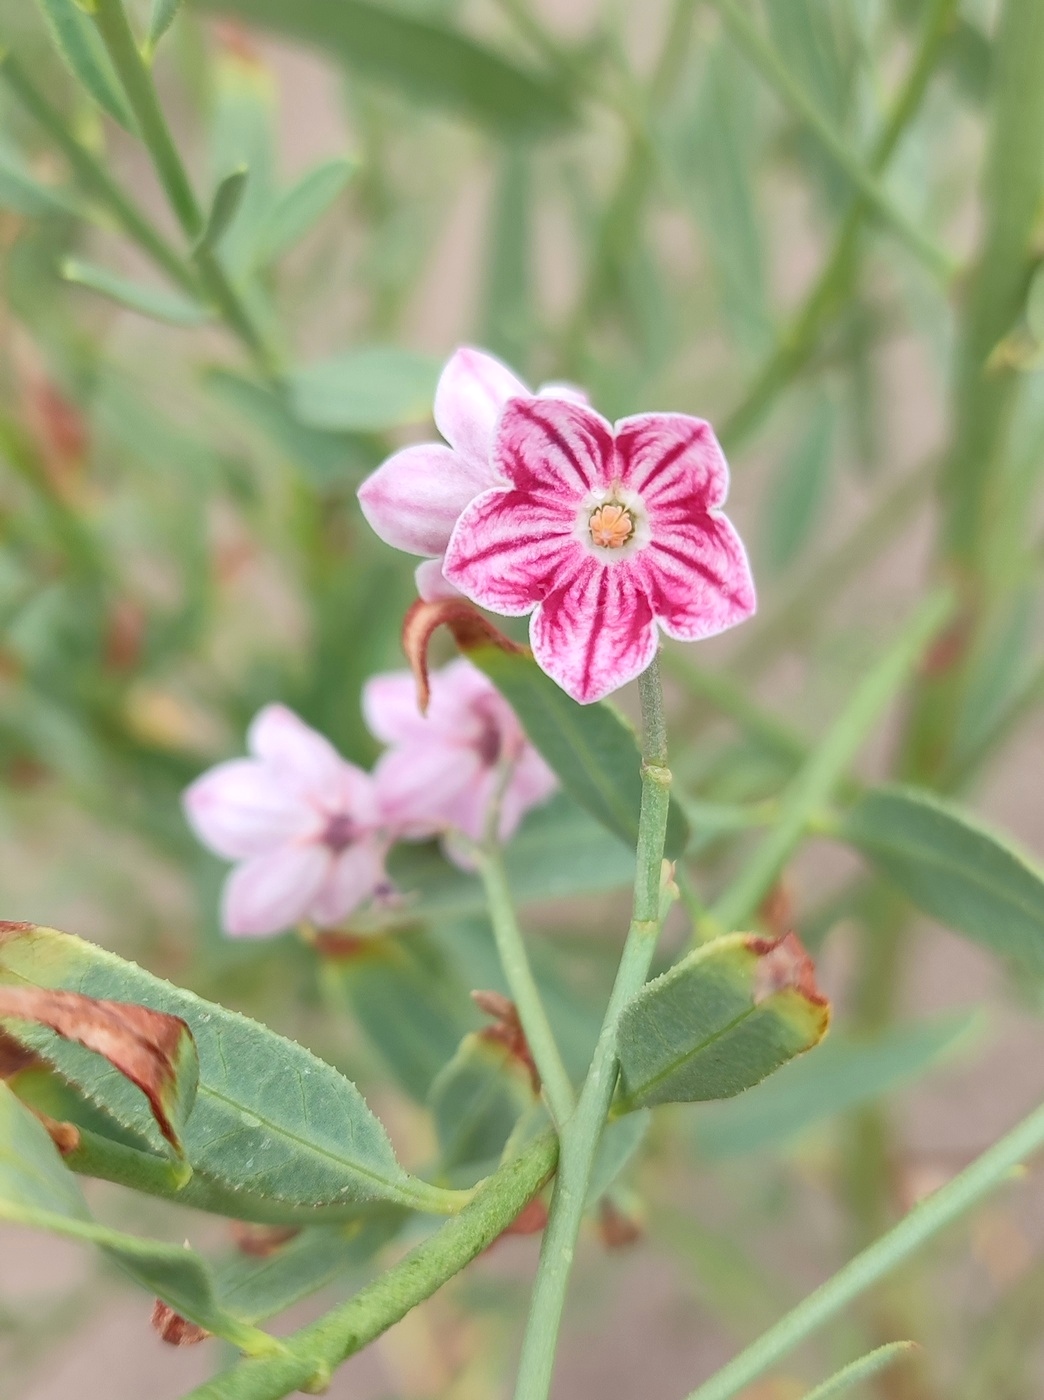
pixel 656 201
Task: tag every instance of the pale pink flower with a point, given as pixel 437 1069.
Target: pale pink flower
pixel 602 533
pixel 412 500
pixel 303 825
pixel 444 768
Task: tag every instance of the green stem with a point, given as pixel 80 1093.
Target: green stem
pixel 880 1259
pixel 524 990
pixel 94 178
pixel 829 292
pixel 827 763
pixel 789 89
pixel 872 1364
pixel 313 1354
pixel 582 1133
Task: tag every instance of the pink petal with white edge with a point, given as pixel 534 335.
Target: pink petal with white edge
pixel 241 809
pixel 309 764
pixel 595 635
pixel 413 499
pixel 697 577
pixel 554 448
pixel 351 880
pixel 668 458
pixel 556 389
pixel 509 550
pixel 472 389
pixel 432 584
pixel 270 893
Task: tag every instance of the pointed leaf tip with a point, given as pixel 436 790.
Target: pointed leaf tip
pixel 470 629
pixel 155 1051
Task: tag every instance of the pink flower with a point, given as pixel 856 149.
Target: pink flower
pixel 412 500
pixel 602 533
pixel 302 824
pixel 444 767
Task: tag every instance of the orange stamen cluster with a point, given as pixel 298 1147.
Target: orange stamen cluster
pixel 611 525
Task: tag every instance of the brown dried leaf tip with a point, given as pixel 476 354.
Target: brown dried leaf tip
pixel 783 963
pixel 261 1241
pixel 174 1329
pixel 617 1229
pixel 470 629
pixel 507 1031
pixel 153 1050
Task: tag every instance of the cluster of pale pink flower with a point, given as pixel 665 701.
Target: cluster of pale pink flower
pixel 607 534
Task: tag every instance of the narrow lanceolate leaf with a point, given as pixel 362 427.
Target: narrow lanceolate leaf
pixel 155 302
pixel 153 1050
pixel 429 62
pixel 367 390
pixel 161 17
pixel 37 1190
pixel 720 1021
pixel 223 208
pixel 274 1134
pixel 22 193
pixel 301 206
pixel 953 869
pixel 872 1364
pixel 800 484
pixel 80 45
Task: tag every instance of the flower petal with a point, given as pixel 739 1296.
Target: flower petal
pixel 669 458
pixel 555 448
pixel 241 809
pixel 389 706
pixel 596 634
pixel 413 499
pixel 509 550
pixel 558 389
pixel 432 583
pixel 272 892
pixel 472 390
pixel 351 880
pixel 420 785
pixel 697 577
pixel 310 766
pixel 532 783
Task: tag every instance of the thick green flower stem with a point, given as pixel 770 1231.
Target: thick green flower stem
pixel 136 77
pixel 922 1223
pixel 582 1133
pixel 312 1355
pixel 558 1089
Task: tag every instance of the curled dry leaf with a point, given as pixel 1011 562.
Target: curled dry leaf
pixel 174 1329
pixel 507 1030
pixel 469 628
pixel 617 1229
pixel 783 963
pixel 261 1241
pixel 13 1057
pixel 153 1050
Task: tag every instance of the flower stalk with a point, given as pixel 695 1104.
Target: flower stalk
pixel 579 1141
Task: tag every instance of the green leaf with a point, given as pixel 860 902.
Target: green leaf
pixel 300 207
pixel 953 869
pixel 22 193
pixel 244 133
pixel 427 61
pixel 271 1123
pixel 796 494
pixel 367 390
pixel 856 1371
pixel 476 1101
pixel 80 45
pixel 327 458
pixel 161 17
pixel 591 748
pixel 558 851
pixel 719 1021
pixel 223 208
pixel 619 1142
pixel 412 1009
pixel 37 1190
pixel 155 302
pixel 1035 305
pixel 842 1074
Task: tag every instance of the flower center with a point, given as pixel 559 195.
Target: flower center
pixel 340 833
pixel 611 525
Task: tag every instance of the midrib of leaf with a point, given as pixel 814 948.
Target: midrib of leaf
pixel 703 1045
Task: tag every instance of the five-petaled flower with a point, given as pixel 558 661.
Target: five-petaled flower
pixel 444 769
pixel 601 532
pixel 412 500
pixel 304 826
